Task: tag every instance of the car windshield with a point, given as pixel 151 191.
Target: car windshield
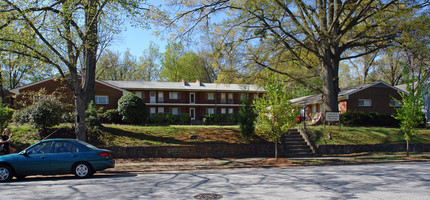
pixel 89 146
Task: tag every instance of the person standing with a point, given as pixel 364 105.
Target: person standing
pixel 4 143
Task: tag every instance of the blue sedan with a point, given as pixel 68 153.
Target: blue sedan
pixel 55 156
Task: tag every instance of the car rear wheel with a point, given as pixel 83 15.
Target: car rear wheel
pixel 82 170
pixel 6 173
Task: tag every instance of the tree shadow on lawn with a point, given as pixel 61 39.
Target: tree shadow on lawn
pixel 160 139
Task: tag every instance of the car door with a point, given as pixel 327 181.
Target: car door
pixel 64 156
pixel 36 160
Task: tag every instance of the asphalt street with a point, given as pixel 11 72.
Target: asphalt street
pixel 374 181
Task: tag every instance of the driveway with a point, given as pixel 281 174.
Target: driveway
pixel 374 181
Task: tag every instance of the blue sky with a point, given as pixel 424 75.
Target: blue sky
pixel 137 40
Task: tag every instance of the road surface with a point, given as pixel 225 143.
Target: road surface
pixel 374 181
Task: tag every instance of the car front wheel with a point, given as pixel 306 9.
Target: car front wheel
pixel 6 173
pixel 82 170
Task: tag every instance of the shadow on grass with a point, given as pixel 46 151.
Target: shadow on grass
pixel 159 139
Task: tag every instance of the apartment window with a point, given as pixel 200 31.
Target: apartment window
pixel 102 100
pixel 174 95
pixel 160 97
pixel 210 96
pixel 160 109
pixel 364 102
pixel 230 98
pixel 175 111
pixel 255 96
pixel 223 111
pixel 152 110
pixel 230 111
pixel 140 94
pixel 223 98
pixel 396 104
pixel 243 97
pixel 210 110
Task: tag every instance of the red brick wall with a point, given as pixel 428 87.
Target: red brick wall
pixel 380 97
pixel 52 85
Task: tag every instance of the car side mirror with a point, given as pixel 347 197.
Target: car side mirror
pixel 24 153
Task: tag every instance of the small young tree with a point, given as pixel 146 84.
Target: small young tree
pixel 275 112
pixel 410 114
pixel 132 109
pixel 247 118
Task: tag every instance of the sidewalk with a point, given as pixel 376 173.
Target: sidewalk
pixel 179 164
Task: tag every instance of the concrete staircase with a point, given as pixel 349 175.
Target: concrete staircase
pixel 294 145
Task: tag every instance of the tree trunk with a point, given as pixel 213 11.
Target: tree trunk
pixel 80 129
pixel 276 150
pixel 407 148
pixel 90 51
pixel 330 78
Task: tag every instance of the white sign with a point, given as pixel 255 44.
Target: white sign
pixel 332 116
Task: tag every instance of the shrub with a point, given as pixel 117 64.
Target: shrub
pixel 22 116
pixel 184 118
pixel 132 109
pixel 355 118
pixel 6 114
pixel 46 113
pixel 247 118
pixel 111 116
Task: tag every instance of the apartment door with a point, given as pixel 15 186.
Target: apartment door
pixel 192 98
pixel 193 113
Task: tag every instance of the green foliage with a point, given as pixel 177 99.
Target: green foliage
pixel 91 116
pixel 410 114
pixel 111 116
pixel 6 114
pixel 184 118
pixel 246 118
pixel 356 118
pixel 22 116
pixel 169 119
pixel 211 119
pixel 132 109
pixel 275 112
pixel 45 114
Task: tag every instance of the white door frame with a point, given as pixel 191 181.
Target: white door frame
pixel 193 113
pixel 192 98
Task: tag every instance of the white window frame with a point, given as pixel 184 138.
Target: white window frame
pixel 174 95
pixel 152 110
pixel 160 109
pixel 98 97
pixel 223 111
pixel 210 96
pixel 223 98
pixel 230 98
pixel 364 102
pixel 210 110
pixel 175 111
pixel 230 110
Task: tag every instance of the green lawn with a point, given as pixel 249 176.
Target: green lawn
pixel 364 135
pixel 126 135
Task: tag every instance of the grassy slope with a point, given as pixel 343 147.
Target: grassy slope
pixel 124 135
pixel 364 135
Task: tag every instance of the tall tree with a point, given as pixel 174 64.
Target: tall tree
pixel 63 34
pixel 149 63
pixel 178 64
pixel 322 30
pixel 275 112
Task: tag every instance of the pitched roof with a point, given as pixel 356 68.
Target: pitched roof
pixel 143 85
pixel 343 94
